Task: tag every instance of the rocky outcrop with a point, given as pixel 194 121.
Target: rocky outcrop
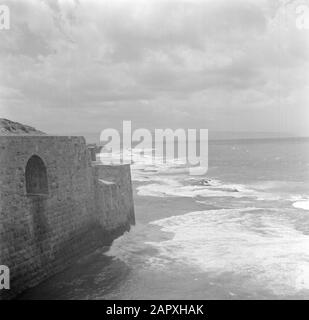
pixel 8 127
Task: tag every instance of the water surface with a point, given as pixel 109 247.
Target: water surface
pixel 239 232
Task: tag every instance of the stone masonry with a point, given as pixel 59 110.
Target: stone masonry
pixel 56 205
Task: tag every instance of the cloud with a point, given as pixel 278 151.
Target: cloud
pixel 83 64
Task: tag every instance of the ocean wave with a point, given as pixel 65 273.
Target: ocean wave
pixel 144 163
pixel 171 179
pixel 304 204
pixel 255 245
pixel 192 188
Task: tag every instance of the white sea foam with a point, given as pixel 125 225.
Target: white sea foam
pixel 166 179
pixel 304 204
pixel 262 249
pixel 144 163
pixel 174 188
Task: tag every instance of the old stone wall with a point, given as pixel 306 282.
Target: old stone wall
pixel 114 198
pixel 82 207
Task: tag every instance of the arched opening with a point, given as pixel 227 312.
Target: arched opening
pixel 36 176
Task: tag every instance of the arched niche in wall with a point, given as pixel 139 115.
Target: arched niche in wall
pixel 36 176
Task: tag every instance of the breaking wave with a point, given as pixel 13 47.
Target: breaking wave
pixel 264 248
pixel 173 187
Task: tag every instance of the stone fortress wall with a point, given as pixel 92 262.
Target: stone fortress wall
pixel 56 204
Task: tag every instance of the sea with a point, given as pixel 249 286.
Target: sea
pixel 240 231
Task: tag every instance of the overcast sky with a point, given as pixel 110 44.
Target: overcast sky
pixel 76 66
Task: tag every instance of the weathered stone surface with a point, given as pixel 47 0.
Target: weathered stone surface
pixel 84 206
pixel 8 127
